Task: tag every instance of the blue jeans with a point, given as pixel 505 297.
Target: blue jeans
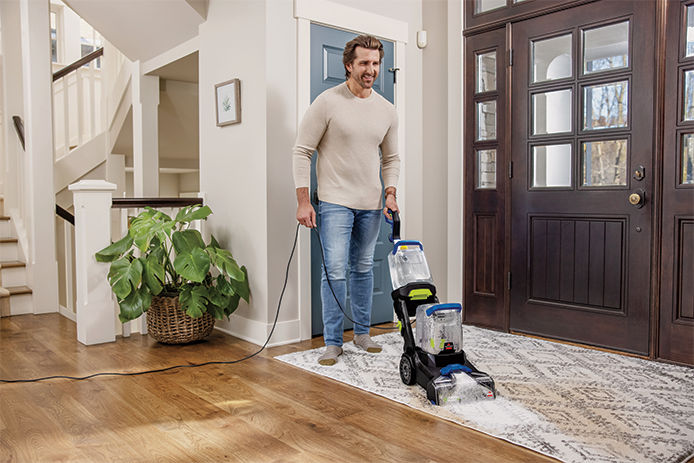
pixel 348 235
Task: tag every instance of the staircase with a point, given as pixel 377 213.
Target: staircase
pixel 15 295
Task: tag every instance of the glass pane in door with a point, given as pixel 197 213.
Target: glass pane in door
pixel 552 112
pixel 486 72
pixel 606 48
pixel 606 106
pixel 486 169
pixel 487 5
pixel 688 159
pixel 486 120
pixel 604 163
pixel 688 98
pixel 551 58
pixel 689 51
pixel 551 166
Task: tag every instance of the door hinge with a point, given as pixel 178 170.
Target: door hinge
pixel 510 169
pixel 510 56
pixel 508 281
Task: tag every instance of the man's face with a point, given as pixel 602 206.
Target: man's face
pixel 364 69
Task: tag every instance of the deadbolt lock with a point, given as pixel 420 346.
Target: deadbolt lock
pixel 639 173
pixel 637 198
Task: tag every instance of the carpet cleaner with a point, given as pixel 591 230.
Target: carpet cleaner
pixel 434 356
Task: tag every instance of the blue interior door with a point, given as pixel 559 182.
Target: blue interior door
pixel 327 71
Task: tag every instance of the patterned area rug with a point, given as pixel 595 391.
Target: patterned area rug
pixel 570 403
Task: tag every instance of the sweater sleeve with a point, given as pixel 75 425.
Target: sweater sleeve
pixel 390 161
pixel 311 131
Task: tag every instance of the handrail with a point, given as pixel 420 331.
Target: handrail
pixel 127 203
pixel 64 214
pixel 78 64
pixel 19 127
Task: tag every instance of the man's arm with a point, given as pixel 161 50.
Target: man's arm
pixel 305 213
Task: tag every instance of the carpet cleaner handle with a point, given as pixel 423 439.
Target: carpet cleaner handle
pixel 395 224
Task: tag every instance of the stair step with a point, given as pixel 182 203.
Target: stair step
pixel 11 264
pixel 17 290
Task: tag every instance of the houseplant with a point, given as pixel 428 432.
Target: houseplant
pixel 163 262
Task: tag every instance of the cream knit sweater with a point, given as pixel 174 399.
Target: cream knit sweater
pixel 347 131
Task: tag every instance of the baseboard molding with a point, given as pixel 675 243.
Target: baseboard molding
pixel 67 313
pixel 257 332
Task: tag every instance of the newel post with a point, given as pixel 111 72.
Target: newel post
pixel 95 319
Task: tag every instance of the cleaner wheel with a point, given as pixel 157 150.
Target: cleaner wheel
pixel 407 373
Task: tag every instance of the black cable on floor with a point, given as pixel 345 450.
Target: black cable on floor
pixel 190 365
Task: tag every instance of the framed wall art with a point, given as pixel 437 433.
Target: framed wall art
pixel 228 102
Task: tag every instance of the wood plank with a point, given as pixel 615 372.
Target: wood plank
pixel 259 410
pixel 566 270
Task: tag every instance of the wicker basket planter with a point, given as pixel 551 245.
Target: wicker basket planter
pixel 168 324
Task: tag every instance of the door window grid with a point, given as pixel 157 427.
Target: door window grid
pixel 485 145
pixel 604 106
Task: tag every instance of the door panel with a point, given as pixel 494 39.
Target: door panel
pixel 676 330
pixel 580 251
pixel 327 70
pixel 485 181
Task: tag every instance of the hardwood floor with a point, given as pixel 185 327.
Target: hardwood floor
pixel 260 410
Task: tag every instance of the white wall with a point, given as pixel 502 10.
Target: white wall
pixel 233 159
pixel 435 141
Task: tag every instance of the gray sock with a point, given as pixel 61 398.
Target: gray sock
pixel 330 355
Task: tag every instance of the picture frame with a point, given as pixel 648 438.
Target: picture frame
pixel 227 97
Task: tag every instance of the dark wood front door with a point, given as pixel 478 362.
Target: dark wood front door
pixel 582 146
pixel 676 333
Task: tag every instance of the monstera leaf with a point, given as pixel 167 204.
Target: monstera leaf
pixel 190 213
pixel 193 265
pixel 124 276
pixel 153 272
pixel 134 305
pixel 115 250
pixel 193 300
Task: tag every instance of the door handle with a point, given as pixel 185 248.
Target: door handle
pixel 637 198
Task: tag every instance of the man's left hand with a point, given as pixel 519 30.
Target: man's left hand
pixel 392 204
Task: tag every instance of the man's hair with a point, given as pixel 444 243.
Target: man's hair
pixel 364 41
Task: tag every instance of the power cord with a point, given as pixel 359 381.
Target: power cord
pixel 190 365
pixel 216 362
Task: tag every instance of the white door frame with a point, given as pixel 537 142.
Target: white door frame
pixel 351 19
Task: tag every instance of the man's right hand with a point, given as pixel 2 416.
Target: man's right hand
pixel 305 213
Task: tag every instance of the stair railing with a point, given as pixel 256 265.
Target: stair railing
pixel 77 103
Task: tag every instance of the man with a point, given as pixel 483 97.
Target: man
pixel 348 124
